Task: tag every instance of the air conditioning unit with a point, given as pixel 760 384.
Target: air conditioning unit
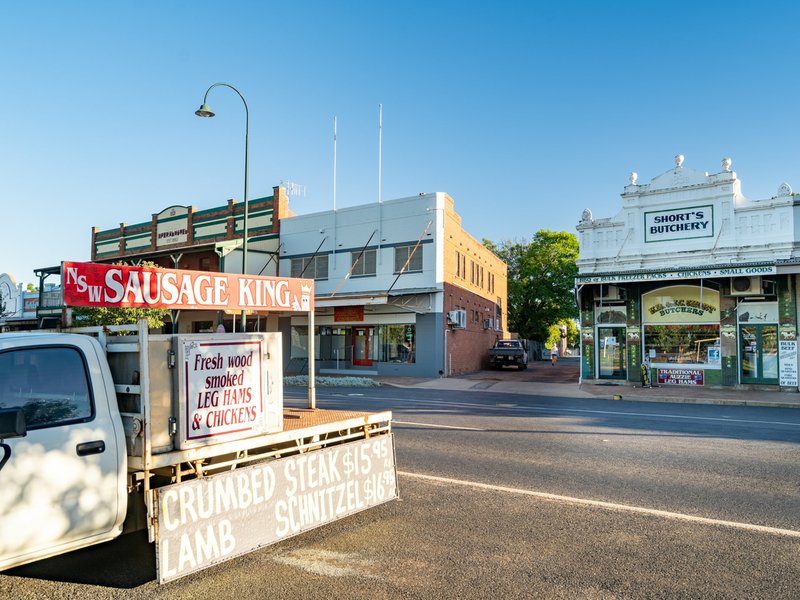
pixel 457 318
pixel 610 292
pixel 746 286
pixel 487 323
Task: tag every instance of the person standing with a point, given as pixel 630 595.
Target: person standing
pixel 554 354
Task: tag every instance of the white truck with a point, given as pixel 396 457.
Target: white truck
pixel 105 430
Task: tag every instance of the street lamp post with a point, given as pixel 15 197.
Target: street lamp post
pixel 205 111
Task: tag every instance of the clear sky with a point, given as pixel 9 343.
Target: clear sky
pixel 524 112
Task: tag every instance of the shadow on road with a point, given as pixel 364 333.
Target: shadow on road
pixel 127 562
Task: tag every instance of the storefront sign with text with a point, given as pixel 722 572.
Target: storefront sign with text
pixel 699 273
pixel 94 284
pixel 680 376
pixel 213 519
pixel 679 224
pixel 225 395
pixel 787 352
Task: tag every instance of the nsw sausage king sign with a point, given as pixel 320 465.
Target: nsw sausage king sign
pixel 95 284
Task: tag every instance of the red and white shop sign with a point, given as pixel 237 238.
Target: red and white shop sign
pixel 93 284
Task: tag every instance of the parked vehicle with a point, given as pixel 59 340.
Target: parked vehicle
pixel 105 430
pixel 508 352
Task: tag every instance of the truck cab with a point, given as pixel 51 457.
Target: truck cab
pixel 63 477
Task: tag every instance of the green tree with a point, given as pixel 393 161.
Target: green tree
pixel 541 281
pixel 554 333
pixel 101 315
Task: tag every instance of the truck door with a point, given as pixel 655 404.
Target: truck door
pixel 60 488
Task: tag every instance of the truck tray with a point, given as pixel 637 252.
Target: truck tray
pixel 303 428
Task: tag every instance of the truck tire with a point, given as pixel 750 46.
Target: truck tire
pixel 522 366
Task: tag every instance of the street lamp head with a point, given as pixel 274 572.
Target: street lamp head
pixel 204 111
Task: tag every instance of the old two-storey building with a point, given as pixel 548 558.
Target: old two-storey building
pixel 182 237
pixel 401 289
pixel 693 280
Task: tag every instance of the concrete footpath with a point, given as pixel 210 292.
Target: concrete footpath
pixel 543 379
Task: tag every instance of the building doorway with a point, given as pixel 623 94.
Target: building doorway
pixel 759 354
pixel 362 346
pixel 611 352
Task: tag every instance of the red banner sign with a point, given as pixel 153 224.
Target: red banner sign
pixel 93 284
pixel 343 314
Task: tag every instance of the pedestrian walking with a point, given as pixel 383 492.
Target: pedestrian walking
pixel 554 355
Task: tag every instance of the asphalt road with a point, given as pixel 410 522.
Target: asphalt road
pixel 520 497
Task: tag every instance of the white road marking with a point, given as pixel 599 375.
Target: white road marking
pixel 608 505
pixel 557 409
pixel 394 422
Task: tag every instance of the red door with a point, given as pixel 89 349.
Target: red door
pixel 362 341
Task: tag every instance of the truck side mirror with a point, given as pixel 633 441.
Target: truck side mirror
pixel 12 423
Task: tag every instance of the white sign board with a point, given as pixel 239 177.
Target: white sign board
pixel 172 226
pixel 679 224
pixel 787 351
pixel 206 521
pixel 226 391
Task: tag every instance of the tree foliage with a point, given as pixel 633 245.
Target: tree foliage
pixel 541 280
pixel 554 333
pixel 118 316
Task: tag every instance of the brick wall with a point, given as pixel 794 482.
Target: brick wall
pixel 468 349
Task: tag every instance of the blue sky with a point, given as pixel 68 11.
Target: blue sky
pixel 524 112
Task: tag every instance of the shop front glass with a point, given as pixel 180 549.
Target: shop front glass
pixel 358 345
pixel 611 346
pixel 759 353
pixel 611 362
pixel 681 333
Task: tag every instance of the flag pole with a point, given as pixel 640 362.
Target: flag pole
pixel 380 146
pixel 334 163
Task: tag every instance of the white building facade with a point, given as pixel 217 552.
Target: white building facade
pixel 389 297
pixel 691 283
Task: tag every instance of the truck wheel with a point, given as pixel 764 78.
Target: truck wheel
pixel 522 367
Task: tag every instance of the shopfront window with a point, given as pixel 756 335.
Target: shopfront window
pixel 692 344
pixel 300 342
pixel 334 343
pixel 388 343
pixel 681 326
pixel 396 343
